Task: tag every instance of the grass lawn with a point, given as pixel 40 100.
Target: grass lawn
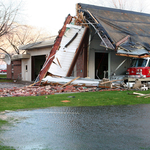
pixel 3 78
pixel 75 99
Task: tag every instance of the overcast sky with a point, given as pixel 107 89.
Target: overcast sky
pixel 51 14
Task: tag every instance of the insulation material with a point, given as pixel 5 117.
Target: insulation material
pixel 133 52
pixel 69 44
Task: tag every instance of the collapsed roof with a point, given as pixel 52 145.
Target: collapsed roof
pixel 126 30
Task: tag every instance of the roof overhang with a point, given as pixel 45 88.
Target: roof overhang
pixel 20 56
pixel 38 45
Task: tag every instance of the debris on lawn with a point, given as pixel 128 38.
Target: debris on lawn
pixel 49 90
pixel 72 86
pixel 42 90
pixel 141 95
pixel 65 101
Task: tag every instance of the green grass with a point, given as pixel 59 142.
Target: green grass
pixel 6 148
pixel 3 76
pixel 78 99
pixel 2 147
pixel 81 99
pixel 2 122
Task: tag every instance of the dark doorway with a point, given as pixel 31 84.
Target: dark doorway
pixel 101 65
pixel 37 64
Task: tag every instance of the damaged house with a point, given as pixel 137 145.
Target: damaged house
pixel 97 43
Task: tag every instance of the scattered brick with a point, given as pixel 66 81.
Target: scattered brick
pixel 46 90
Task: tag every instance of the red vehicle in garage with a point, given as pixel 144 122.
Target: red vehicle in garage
pixel 3 71
pixel 140 68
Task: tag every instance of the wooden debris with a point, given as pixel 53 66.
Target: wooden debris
pixel 141 95
pixel 137 84
pixel 133 56
pixel 70 81
pixel 106 83
pixel 110 81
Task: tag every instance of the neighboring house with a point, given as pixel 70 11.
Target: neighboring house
pixel 27 66
pixel 94 43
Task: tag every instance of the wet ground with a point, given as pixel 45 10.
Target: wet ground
pixel 79 128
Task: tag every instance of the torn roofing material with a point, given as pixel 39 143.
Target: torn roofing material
pixel 117 24
pixel 133 52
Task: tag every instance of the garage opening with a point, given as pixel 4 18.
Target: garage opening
pixel 37 64
pixel 101 65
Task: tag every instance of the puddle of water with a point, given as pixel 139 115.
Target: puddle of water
pixel 80 128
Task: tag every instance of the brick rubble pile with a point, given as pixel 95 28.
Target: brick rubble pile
pixel 41 90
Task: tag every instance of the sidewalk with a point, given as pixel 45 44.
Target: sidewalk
pixel 14 84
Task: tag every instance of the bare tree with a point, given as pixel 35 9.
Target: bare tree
pixel 8 14
pixel 22 35
pixel 119 4
pixel 6 19
pixel 13 34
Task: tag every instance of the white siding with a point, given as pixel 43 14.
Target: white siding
pixel 65 55
pixel 27 75
pixel 115 61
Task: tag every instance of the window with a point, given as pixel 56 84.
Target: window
pixel 148 63
pixel 139 63
pixel 26 67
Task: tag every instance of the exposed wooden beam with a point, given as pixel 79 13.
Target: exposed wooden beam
pixel 70 81
pixel 134 56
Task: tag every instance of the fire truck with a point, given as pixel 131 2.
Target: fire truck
pixel 139 68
